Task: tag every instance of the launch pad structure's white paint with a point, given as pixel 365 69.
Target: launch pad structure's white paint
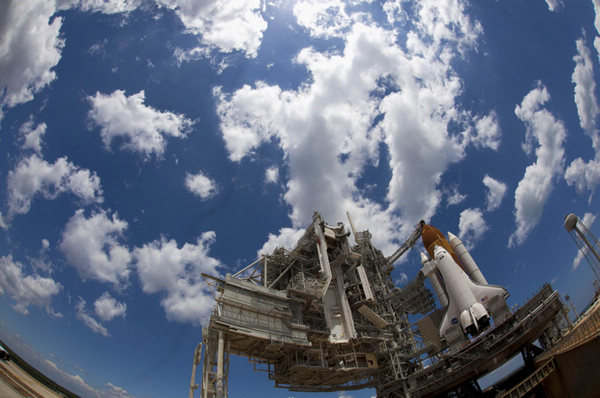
pixel 327 316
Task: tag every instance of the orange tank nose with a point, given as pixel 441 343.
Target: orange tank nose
pixel 432 237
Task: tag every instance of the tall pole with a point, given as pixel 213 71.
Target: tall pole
pixel 571 222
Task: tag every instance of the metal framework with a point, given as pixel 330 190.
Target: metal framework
pixel 327 316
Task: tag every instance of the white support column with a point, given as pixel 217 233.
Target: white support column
pixel 220 360
pixel 193 385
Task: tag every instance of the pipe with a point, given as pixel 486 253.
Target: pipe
pixel 193 385
pixel 220 351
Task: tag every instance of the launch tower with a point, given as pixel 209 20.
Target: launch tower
pixel 327 316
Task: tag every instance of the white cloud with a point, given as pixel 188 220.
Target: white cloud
pixel 325 127
pixel 32 136
pixel 103 6
pixel 487 132
pixel 84 316
pixel 91 245
pixel 107 308
pixel 142 127
pixel 27 290
pixel 227 25
pixel 402 280
pixel 272 175
pixel 163 267
pixel 588 220
pixel 596 4
pixel 286 238
pixel 537 183
pixel 70 379
pixel 585 97
pixel 116 391
pixel 454 197
pixel 201 185
pixel 325 19
pixel 3 223
pixel 554 5
pixel 31 45
pixel 34 176
pixel 496 192
pixel 445 23
pixel 585 175
pixel 471 227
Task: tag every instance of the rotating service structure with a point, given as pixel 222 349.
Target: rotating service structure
pixel 327 316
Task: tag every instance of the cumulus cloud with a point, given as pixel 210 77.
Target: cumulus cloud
pixel 176 272
pixel 84 316
pixel 142 127
pixel 32 136
pixel 496 192
pixel 401 280
pixel 31 46
pixel 71 380
pixel 91 245
pixel 471 227
pixel 116 391
pixel 588 220
pixel 596 4
pixel 537 183
pixel 34 176
pixel 324 19
pixel 107 308
pixel 272 175
pixel 226 25
pixel 487 132
pixel 286 238
pixel 585 88
pixel 27 290
pixel 103 6
pixel 201 185
pixel 454 197
pixel 325 128
pixel 554 5
pixel 585 175
pixel 3 223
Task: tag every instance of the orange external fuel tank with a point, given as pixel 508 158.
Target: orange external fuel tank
pixel 432 237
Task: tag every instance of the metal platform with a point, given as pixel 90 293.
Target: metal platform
pixel 327 316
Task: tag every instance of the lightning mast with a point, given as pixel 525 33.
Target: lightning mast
pixel 586 241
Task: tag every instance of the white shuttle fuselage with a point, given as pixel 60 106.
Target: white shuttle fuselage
pixel 466 299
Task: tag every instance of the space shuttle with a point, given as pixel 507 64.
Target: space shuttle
pixel 458 282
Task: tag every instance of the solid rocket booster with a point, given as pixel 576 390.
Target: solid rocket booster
pixel 464 256
pixel 429 270
pixel 472 315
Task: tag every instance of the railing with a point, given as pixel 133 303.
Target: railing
pixel 533 380
pixel 586 329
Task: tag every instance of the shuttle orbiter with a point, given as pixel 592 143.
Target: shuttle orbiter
pixel 466 299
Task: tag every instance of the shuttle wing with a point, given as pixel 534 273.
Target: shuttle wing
pixel 484 293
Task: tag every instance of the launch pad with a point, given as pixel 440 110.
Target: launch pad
pixel 327 316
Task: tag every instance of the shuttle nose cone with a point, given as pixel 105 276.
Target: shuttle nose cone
pixel 439 252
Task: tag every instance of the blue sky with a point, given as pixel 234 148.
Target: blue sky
pixel 145 142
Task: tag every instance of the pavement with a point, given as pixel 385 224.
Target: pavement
pixel 16 383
